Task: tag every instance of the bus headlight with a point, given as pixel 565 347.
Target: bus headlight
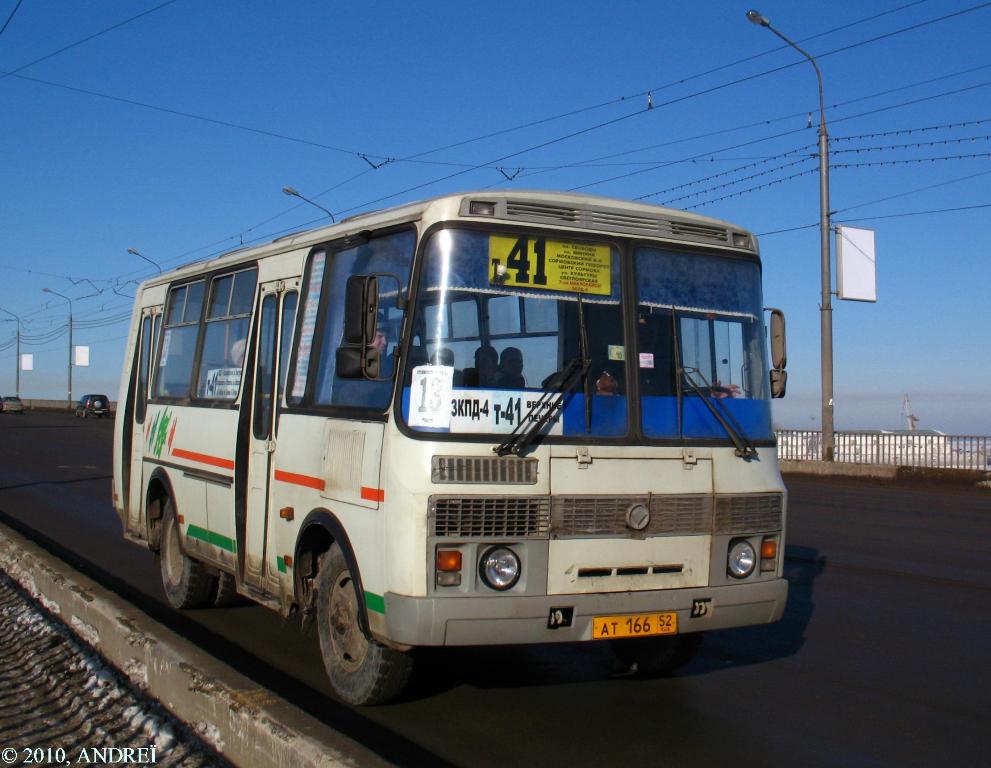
pixel 741 560
pixel 499 568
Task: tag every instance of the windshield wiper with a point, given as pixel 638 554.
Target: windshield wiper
pixel 745 448
pixel 518 440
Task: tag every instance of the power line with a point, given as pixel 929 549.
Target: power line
pixel 641 94
pixel 912 160
pixel 4 28
pixel 902 131
pixel 866 203
pixel 765 185
pixel 919 213
pixel 95 35
pixel 767 172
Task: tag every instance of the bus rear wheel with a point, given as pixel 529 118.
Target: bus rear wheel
pixel 187 583
pixel 361 671
pixel 657 656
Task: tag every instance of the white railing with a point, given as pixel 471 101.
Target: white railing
pixel 909 449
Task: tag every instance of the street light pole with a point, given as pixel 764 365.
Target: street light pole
pixel 136 252
pixel 826 304
pixel 49 290
pixel 291 191
pixel 17 361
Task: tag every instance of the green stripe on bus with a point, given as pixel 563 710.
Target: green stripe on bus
pixel 375 602
pixel 280 564
pixel 194 531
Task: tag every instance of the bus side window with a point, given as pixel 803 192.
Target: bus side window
pixel 222 358
pixel 179 338
pixel 392 254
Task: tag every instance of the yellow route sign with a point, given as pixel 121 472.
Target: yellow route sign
pixel 550 265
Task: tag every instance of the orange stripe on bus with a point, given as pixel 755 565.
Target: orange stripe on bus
pixel 305 480
pixel 202 458
pixel 372 494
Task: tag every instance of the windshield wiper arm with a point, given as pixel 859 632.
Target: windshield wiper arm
pixel 745 448
pixel 518 440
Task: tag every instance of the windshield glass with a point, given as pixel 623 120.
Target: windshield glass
pixel 497 317
pixel 708 309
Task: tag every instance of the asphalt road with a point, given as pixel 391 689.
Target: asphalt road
pixel 881 658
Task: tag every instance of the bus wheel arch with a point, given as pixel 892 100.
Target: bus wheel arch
pixel 157 494
pixel 319 532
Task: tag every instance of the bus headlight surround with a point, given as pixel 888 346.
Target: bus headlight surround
pixel 741 559
pixel 499 568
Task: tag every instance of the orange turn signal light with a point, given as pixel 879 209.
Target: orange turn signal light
pixel 448 560
pixel 769 549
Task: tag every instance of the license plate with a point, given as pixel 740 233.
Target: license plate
pixel 634 625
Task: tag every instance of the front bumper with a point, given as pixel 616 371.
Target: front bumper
pixel 503 619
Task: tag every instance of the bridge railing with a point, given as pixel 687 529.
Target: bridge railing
pixel 899 448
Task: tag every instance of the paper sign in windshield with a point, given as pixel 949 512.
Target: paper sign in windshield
pixel 430 396
pixel 550 265
pixel 500 411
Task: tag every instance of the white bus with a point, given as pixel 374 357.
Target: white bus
pixel 502 417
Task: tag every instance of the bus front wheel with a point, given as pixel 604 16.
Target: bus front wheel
pixel 361 671
pixel 187 583
pixel 657 656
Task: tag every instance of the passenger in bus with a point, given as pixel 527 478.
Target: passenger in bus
pixel 445 356
pixel 486 368
pixel 511 369
pixel 236 356
pixel 607 384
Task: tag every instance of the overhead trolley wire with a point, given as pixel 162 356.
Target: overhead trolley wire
pixel 11 16
pixel 95 35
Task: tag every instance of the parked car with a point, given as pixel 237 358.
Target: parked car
pixel 12 404
pixel 93 405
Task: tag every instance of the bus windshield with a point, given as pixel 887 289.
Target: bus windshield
pixel 496 324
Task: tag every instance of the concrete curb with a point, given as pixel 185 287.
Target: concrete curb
pixel 975 478
pixel 247 724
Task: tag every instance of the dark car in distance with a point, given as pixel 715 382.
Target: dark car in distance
pixel 93 405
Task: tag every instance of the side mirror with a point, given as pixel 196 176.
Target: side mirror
pixel 779 349
pixel 779 382
pixel 355 362
pixel 361 305
pixel 356 357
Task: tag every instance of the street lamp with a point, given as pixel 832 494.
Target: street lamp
pixel 293 193
pixel 826 305
pixel 136 252
pixel 17 361
pixel 56 293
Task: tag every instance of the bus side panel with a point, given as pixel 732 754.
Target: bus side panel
pixel 331 464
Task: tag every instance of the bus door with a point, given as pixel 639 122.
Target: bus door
pixel 151 319
pixel 275 326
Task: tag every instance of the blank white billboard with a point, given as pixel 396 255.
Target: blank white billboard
pixel 856 265
pixel 82 357
pixel 27 362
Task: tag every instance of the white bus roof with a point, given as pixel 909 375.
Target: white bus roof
pixel 571 210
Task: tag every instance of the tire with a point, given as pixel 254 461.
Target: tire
pixel 226 594
pixel 657 656
pixel 361 671
pixel 187 583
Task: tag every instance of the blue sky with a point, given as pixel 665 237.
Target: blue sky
pixel 87 176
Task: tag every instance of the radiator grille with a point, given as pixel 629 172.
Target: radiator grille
pixel 606 515
pixel 575 516
pixel 483 469
pixel 491 516
pixel 750 513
